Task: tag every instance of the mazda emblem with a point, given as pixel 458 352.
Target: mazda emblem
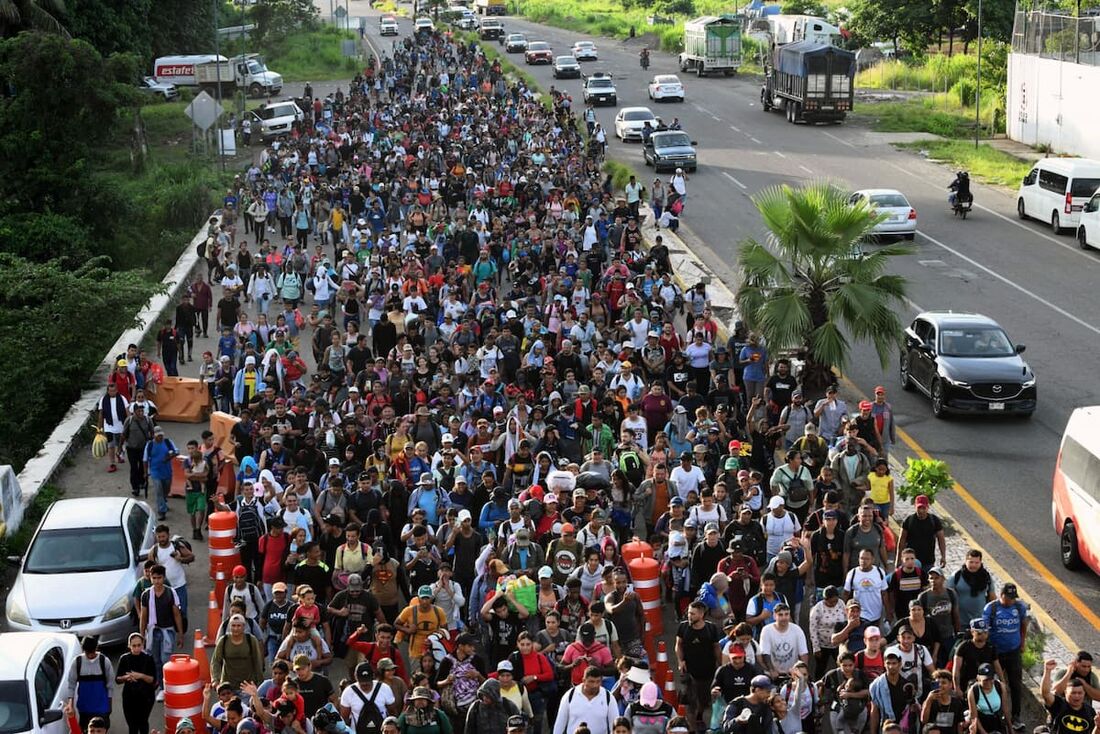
pixel 66 624
pixel 996 388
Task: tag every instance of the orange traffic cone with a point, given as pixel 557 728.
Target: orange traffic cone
pixel 213 620
pixel 660 666
pixel 219 587
pixel 670 690
pixel 200 657
pixel 681 710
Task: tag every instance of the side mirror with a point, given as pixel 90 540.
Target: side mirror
pixel 694 142
pixel 49 716
pixel 15 560
pixel 1020 348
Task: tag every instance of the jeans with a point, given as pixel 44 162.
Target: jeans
pixel 162 647
pixel 160 489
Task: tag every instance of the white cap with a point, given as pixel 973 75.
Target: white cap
pixel 334 461
pixel 775 501
pixel 249 361
pixel 464 515
pixel 447 438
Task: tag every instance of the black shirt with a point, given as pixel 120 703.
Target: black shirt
pixel 141 663
pixel 828 555
pixel 315 692
pixel 973 657
pixel 698 645
pixel 733 681
pixel 1065 719
pixel 276 617
pixel 921 537
pixel 163 605
pixel 781 389
pixel 948 717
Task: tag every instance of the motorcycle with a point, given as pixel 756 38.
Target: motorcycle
pixel 960 198
pixel 962 208
pixel 644 60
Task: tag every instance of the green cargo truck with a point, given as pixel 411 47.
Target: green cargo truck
pixel 712 44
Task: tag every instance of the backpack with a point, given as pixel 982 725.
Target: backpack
pixel 249 525
pixel 631 465
pixel 798 490
pixel 370 718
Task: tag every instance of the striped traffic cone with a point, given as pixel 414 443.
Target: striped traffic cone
pixel 200 657
pixel 670 689
pixel 213 620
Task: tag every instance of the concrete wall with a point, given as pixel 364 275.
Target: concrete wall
pixel 1054 103
pixel 67 435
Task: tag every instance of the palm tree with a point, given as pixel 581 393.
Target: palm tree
pixel 27 15
pixel 811 289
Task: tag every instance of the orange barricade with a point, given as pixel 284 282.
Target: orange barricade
pixel 224 554
pixel 636 549
pixel 183 693
pixel 220 425
pixel 645 573
pixel 647 641
pixel 182 400
pixel 200 656
pixel 179 479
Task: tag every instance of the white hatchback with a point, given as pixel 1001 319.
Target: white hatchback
pixel 666 86
pixel 34 681
pixel 630 122
pixel 901 217
pixel 585 51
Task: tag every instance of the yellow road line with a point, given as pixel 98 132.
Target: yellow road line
pixel 998 570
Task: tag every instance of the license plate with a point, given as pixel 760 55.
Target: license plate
pixel 996 406
pixel 827 107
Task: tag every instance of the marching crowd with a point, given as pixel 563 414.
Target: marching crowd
pixel 507 388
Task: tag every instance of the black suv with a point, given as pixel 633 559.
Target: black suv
pixel 966 364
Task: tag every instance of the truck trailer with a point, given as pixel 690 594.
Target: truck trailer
pixel 812 82
pixel 246 72
pixel 491 7
pixel 712 44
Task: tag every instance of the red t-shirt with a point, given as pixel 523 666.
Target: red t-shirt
pixel 274 550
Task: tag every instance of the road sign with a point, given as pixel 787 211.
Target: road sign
pixel 204 111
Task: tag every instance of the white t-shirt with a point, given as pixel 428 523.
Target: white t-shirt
pixel 350 698
pixel 783 647
pixel 866 587
pixel 912 662
pixel 779 529
pixel 174 573
pixel 686 481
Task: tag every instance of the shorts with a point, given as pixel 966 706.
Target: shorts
pixel 196 502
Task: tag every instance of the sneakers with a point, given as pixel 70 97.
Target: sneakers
pixel 160 694
pixel 111 469
pixel 196 534
pixel 1018 726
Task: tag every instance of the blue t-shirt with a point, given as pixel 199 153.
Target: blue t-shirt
pixel 1004 624
pixel 754 371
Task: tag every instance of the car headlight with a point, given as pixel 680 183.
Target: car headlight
pixel 1029 383
pixel 956 383
pixel 17 611
pixel 120 608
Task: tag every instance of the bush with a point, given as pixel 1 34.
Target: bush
pixel 926 477
pixel 620 174
pixel 965 91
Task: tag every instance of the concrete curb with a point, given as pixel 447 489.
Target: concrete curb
pixel 66 436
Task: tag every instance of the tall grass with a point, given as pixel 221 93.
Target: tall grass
pixel 313 55
pixel 936 74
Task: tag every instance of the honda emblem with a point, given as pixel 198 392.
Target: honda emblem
pixel 66 624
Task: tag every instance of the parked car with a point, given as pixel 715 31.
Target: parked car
pixel 80 568
pixel 1088 231
pixel 670 149
pixel 1056 189
pixel 585 51
pixel 966 364
pixel 566 67
pixel 599 88
pixel 538 52
pixel 901 217
pixel 630 122
pixel 387 26
pixel 34 681
pixel 166 90
pixel 666 86
pixel 515 43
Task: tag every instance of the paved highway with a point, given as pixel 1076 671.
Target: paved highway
pixel 1037 285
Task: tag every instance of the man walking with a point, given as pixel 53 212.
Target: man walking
pixel 700 655
pixel 157 459
pixel 1007 620
pixel 161 623
pixel 588 703
pixel 137 431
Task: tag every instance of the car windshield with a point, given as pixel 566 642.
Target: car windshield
pixel 666 80
pixel 638 115
pixel 255 67
pixel 979 341
pixel 538 46
pixel 566 61
pixel 600 83
pixel 15 709
pixel 77 550
pixel 888 200
pixel 515 37
pixel 1084 187
pixel 283 110
pixel 583 44
pixel 668 141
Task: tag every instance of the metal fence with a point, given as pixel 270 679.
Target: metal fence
pixel 1056 36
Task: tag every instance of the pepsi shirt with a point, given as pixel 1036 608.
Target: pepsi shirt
pixel 1004 624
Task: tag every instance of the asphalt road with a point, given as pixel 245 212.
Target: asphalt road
pixel 1037 285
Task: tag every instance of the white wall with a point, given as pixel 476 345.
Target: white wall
pixel 1054 103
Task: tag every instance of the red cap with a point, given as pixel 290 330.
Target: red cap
pixel 880 390
pixel 239 570
pixel 568 528
pixel 865 405
pixel 735 445
pixel 921 501
pixel 737 651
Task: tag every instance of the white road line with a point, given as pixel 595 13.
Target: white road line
pixel 716 117
pixel 807 170
pixel 839 140
pixel 755 140
pixel 1013 284
pixel 735 128
pixel 743 186
pixel 704 110
pixel 779 154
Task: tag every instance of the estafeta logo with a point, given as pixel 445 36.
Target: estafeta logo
pixel 176 70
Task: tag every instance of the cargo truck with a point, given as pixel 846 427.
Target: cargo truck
pixel 811 82
pixel 492 7
pixel 246 72
pixel 712 44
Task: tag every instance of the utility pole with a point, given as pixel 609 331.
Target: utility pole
pixel 218 91
pixel 978 88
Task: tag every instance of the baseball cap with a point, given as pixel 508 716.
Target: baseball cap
pixel 775 501
pixel 936 570
pixel 424 592
pixel 872 632
pixel 679 501
pixel 546 572
pixel 239 570
pixel 731 463
pixel 710 527
pixel 737 651
pixel 278 586
pixel 464 515
pixel 985 670
pixel 880 390
pixel 517 722
pixel 334 461
pixel 185 724
pixel 865 405
pixel 978 625
pixel 363 670
pixel 921 501
pixel 1010 590
pixel 761 681
pixel 355 581
pixel 892 654
pixel 587 631
pixel 568 528
pixel 504 665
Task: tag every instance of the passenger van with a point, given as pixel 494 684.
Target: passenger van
pixel 1075 504
pixel 1056 189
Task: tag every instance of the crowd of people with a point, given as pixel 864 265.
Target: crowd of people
pixel 507 387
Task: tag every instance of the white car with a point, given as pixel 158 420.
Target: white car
pixel 666 86
pixel 585 51
pixel 275 119
pixel 630 122
pixel 34 681
pixel 387 26
pixel 80 568
pixel 1088 231
pixel 901 217
pixel 149 85
pixel 423 24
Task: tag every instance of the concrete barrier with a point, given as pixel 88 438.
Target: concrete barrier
pixel 43 465
pixel 182 400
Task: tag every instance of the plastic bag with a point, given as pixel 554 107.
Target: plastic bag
pixel 717 709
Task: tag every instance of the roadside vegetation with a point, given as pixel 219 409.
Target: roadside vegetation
pixel 16 543
pixel 310 55
pixel 983 162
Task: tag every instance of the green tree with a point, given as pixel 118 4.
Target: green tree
pixel 27 15
pixel 114 27
pixel 908 23
pixel 810 289
pixel 275 19
pixel 183 27
pixel 805 7
pixel 54 322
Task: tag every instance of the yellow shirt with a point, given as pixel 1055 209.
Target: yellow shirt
pixel 424 623
pixel 880 488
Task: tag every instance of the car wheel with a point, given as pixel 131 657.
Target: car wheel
pixel 680 100
pixel 938 408
pixel 1069 548
pixel 256 90
pixel 1020 209
pixel 910 236
pixel 1082 239
pixel 1056 223
pixel 903 373
pixel 693 169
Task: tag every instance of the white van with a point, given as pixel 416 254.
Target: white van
pixel 1056 190
pixel 1075 495
pixel 277 118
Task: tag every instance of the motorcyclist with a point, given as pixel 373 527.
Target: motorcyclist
pixel 644 58
pixel 960 189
